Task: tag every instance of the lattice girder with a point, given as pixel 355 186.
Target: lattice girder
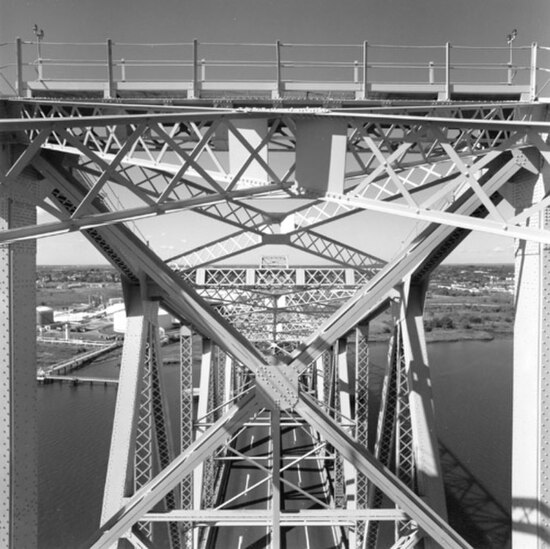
pixel 395 159
pixel 112 143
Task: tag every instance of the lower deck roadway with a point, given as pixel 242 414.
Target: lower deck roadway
pixel 307 475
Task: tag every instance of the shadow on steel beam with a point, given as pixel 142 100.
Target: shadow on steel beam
pixel 527 507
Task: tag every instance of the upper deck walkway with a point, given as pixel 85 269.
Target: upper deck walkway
pixel 272 73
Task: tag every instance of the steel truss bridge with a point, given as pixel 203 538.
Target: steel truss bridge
pixel 286 385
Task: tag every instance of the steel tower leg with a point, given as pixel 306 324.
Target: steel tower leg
pixel 385 436
pixel 163 444
pixel 531 385
pixel 276 541
pixel 334 400
pixel 120 477
pixel 345 390
pixel 141 442
pixel 361 418
pixel 18 498
pixel 202 416
pixel 425 459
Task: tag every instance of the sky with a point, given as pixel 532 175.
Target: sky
pixel 401 22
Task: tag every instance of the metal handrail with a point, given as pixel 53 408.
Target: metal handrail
pixel 360 67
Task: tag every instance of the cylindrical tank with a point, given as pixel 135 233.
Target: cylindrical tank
pixel 44 315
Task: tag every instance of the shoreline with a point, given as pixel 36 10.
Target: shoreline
pixel 450 336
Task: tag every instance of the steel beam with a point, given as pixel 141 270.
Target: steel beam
pixel 245 517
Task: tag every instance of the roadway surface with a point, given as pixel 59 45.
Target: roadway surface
pixel 256 441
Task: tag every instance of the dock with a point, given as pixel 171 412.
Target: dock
pixel 77 380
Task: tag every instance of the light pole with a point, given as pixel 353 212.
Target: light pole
pixel 39 33
pixel 510 38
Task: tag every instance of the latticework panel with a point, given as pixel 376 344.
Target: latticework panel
pixel 186 427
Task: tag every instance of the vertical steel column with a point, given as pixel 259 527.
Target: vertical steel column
pixel 186 425
pixel 110 89
pixel 278 92
pixel 163 433
pixel 220 381
pixel 119 481
pixel 385 434
pixel 276 479
pixel 334 406
pixel 422 416
pixel 404 451
pixel 202 415
pixel 531 385
pixel 361 418
pixel 208 477
pixel 141 442
pixel 320 381
pixel 19 77
pixel 345 392
pixel 365 70
pixel 18 499
pixel 321 147
pixel 194 92
pixel 327 378
pixel 143 458
pixel 228 389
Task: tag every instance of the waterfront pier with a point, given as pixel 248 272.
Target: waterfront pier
pixel 319 159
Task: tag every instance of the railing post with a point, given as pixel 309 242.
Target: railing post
pixel 195 91
pixel 356 72
pixel 19 66
pixel 203 70
pixel 431 76
pixel 122 70
pixel 279 83
pixel 533 77
pixel 510 73
pixel 447 71
pixel 110 91
pixel 365 65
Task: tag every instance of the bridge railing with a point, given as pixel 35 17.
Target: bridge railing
pixel 279 69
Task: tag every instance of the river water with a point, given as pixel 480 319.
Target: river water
pixel 472 383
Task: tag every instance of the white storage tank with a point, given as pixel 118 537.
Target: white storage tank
pixel 44 315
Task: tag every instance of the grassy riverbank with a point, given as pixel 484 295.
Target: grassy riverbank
pixel 459 317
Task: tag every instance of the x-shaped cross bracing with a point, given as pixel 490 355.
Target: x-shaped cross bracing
pixel 186 304
pixel 469 190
